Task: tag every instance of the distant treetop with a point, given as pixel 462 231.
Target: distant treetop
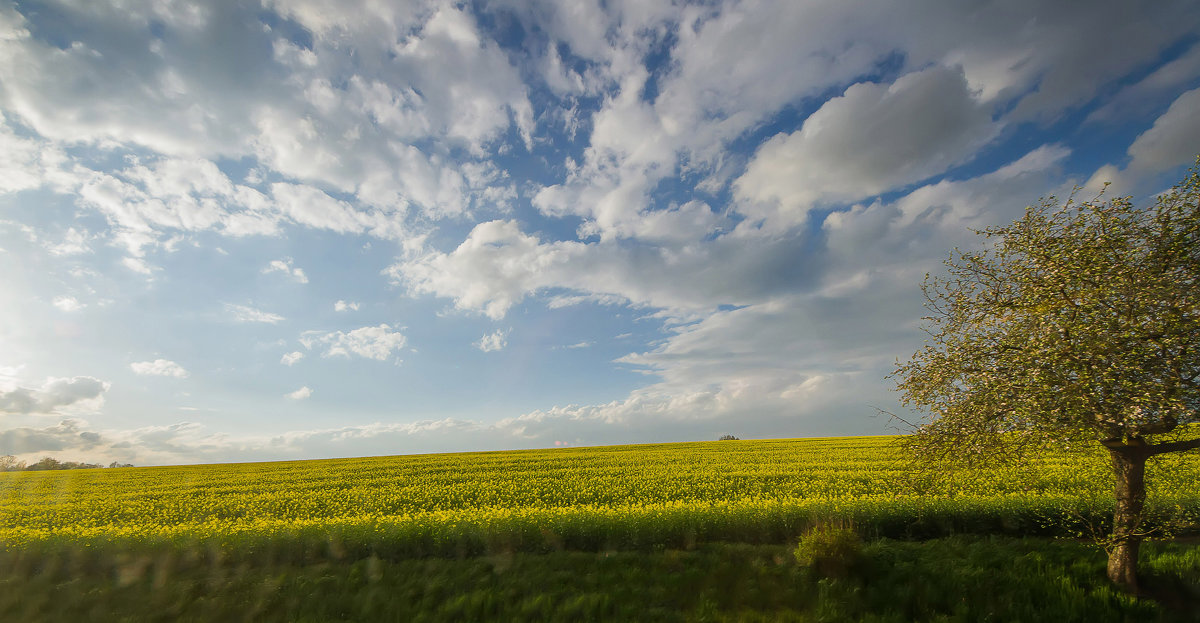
pixel 9 463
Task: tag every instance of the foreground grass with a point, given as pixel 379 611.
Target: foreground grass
pixel 696 531
pixel 949 579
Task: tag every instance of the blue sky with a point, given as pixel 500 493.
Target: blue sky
pixel 235 231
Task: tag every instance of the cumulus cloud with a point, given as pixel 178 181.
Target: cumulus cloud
pixel 29 162
pixel 498 266
pixel 286 267
pixel 159 367
pixel 149 445
pixel 261 94
pixel 403 121
pixel 1173 141
pixel 912 232
pixel 768 361
pixel 641 420
pixel 446 88
pixel 299 394
pixel 55 395
pixel 66 435
pixel 68 303
pixel 493 341
pixel 754 367
pixel 74 242
pixel 138 265
pixel 736 64
pixel 492 270
pixel 310 206
pixel 1138 99
pixel 243 313
pixel 370 342
pixel 873 138
pixel 149 201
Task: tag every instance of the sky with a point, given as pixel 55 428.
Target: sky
pixel 241 231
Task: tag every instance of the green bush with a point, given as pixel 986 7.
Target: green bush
pixel 830 549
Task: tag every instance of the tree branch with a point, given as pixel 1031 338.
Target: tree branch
pixel 1166 425
pixel 1174 446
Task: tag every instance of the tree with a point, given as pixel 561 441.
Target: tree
pixel 1078 324
pixel 47 463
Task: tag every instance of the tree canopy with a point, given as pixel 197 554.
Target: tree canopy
pixel 1077 323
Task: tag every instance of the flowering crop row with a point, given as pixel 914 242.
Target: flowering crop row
pixel 646 495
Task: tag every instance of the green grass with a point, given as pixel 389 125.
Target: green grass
pixel 949 579
pixel 697 531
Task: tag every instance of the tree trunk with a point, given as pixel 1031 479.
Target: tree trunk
pixel 1129 467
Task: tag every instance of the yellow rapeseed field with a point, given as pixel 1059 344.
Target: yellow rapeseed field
pixel 663 494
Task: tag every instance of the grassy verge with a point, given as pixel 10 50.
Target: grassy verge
pixel 949 579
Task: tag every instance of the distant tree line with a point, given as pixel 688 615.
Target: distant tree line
pixel 9 463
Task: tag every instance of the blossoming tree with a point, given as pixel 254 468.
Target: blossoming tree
pixel 1077 324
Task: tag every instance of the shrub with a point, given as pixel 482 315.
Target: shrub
pixel 830 549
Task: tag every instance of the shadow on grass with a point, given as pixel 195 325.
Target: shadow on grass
pixel 948 579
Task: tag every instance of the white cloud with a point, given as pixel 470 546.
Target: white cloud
pixel 1139 98
pixel 75 242
pixel 66 435
pixel 769 361
pixel 159 367
pixel 371 342
pixel 138 265
pixel 872 139
pixel 148 202
pixel 493 341
pixel 498 265
pixel 1173 140
pixel 311 207
pixel 286 267
pixel 189 442
pixel 243 313
pixel 392 117
pixel 715 93
pixel 1057 68
pixel 493 269
pixel 27 163
pixel 444 79
pixel 299 394
pixel 425 76
pixel 80 393
pixel 68 303
pixel 562 300
pixel 915 230
pixel 736 64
